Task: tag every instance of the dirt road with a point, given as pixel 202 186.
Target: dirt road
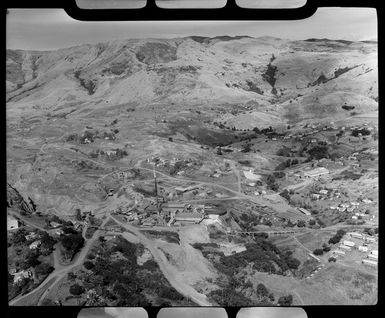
pixel 166 268
pixel 60 273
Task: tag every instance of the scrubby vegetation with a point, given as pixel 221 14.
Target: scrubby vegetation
pixel 121 281
pixel 337 237
pixel 171 237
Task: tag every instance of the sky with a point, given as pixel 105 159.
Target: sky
pixel 271 312
pixel 110 4
pixel 188 312
pixel 271 3
pixel 113 312
pixel 49 29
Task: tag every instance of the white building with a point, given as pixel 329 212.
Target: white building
pixel 372 256
pixel 339 252
pixel 344 247
pixel 21 275
pixel 375 252
pixel 12 223
pixel 35 245
pixel 356 235
pixel 370 239
pixel 320 171
pixel 349 243
pixel 363 248
pixel 251 176
pixel 369 262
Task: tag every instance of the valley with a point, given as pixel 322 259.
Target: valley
pixel 230 171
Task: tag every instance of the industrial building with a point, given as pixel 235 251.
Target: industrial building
pixel 252 176
pixel 320 171
pixel 184 217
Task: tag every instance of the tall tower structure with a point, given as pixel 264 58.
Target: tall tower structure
pixel 156 185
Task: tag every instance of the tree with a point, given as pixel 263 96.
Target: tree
pixel 219 151
pixel 44 269
pixel 76 289
pixel 246 148
pixel 73 242
pixel 88 265
pixel 332 259
pixel 301 223
pixel 170 139
pixel 285 300
pixel 71 276
pixel 78 214
pixel 262 291
pixel 312 222
pixel 30 260
pixel 19 236
pixel 318 251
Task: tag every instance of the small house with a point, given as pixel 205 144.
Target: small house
pixel 363 248
pixel 374 252
pixel 35 245
pixel 372 256
pixel 349 243
pixel 369 262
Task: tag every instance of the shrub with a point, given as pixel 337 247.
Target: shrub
pixel 44 269
pixel 77 289
pixel 88 265
pixel 318 251
pixel 262 290
pixel 285 300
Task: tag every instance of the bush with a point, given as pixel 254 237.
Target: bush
pixel 332 259
pixel 285 300
pixel 72 243
pixel 262 290
pixel 44 269
pixel 318 251
pixel 77 289
pixel 318 152
pixel 88 265
pixel 312 222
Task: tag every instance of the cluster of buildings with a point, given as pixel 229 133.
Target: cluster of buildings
pixel 325 194
pixel 182 213
pixel 19 276
pixel 170 214
pixel 362 246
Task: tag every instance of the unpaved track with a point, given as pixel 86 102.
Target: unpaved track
pixel 166 268
pixel 58 274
